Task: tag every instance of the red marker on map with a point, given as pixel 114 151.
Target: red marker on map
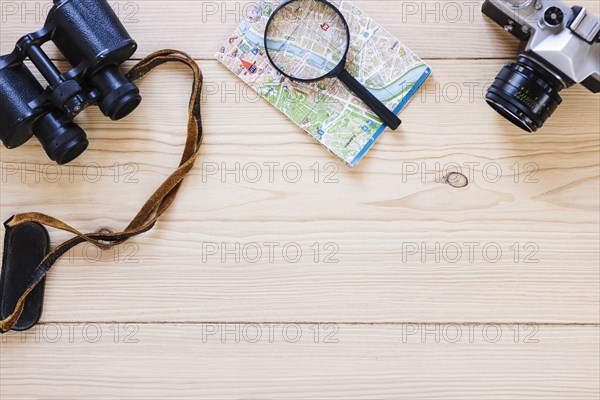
pixel 249 66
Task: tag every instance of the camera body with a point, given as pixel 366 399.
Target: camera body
pixel 560 47
pixel 93 40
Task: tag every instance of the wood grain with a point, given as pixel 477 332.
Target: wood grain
pixel 534 197
pixel 394 201
pixel 385 362
pixel 424 26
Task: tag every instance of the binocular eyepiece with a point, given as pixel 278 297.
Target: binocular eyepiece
pixel 93 40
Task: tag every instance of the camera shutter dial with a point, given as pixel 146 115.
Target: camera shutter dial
pixel 554 16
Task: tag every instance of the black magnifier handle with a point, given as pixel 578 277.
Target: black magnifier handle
pixel 387 116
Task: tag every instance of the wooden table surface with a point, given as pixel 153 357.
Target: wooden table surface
pixel 281 273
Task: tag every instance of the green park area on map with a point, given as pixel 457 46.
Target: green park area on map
pixel 326 109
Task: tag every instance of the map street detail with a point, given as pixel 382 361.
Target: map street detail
pixel 326 109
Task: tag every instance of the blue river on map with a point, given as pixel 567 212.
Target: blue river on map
pixel 381 93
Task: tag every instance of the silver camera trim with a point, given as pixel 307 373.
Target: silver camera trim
pixel 562 47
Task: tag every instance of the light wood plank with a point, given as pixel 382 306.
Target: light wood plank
pixel 433 29
pixel 386 209
pixel 374 216
pixel 375 362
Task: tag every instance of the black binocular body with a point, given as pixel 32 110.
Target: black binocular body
pixel 93 40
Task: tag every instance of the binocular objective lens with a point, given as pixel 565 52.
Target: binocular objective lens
pixel 119 96
pixel 63 142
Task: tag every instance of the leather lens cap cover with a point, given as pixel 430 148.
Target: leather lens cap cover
pixel 25 247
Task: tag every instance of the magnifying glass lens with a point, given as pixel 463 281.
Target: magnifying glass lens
pixel 307 39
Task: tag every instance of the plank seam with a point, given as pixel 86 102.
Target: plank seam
pixel 544 324
pixel 423 58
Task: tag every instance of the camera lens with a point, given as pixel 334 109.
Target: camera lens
pixel 525 93
pixel 119 96
pixel 63 142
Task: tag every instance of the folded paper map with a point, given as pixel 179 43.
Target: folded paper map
pixel 330 113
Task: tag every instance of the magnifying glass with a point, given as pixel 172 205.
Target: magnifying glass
pixel 309 40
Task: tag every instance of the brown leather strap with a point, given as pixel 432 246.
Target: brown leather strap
pixel 156 205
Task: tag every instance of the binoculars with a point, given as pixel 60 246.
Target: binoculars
pixel 92 39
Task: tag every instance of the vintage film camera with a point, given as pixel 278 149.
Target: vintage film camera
pixel 560 47
pixel 93 40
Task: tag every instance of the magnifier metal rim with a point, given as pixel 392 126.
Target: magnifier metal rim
pixel 334 71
